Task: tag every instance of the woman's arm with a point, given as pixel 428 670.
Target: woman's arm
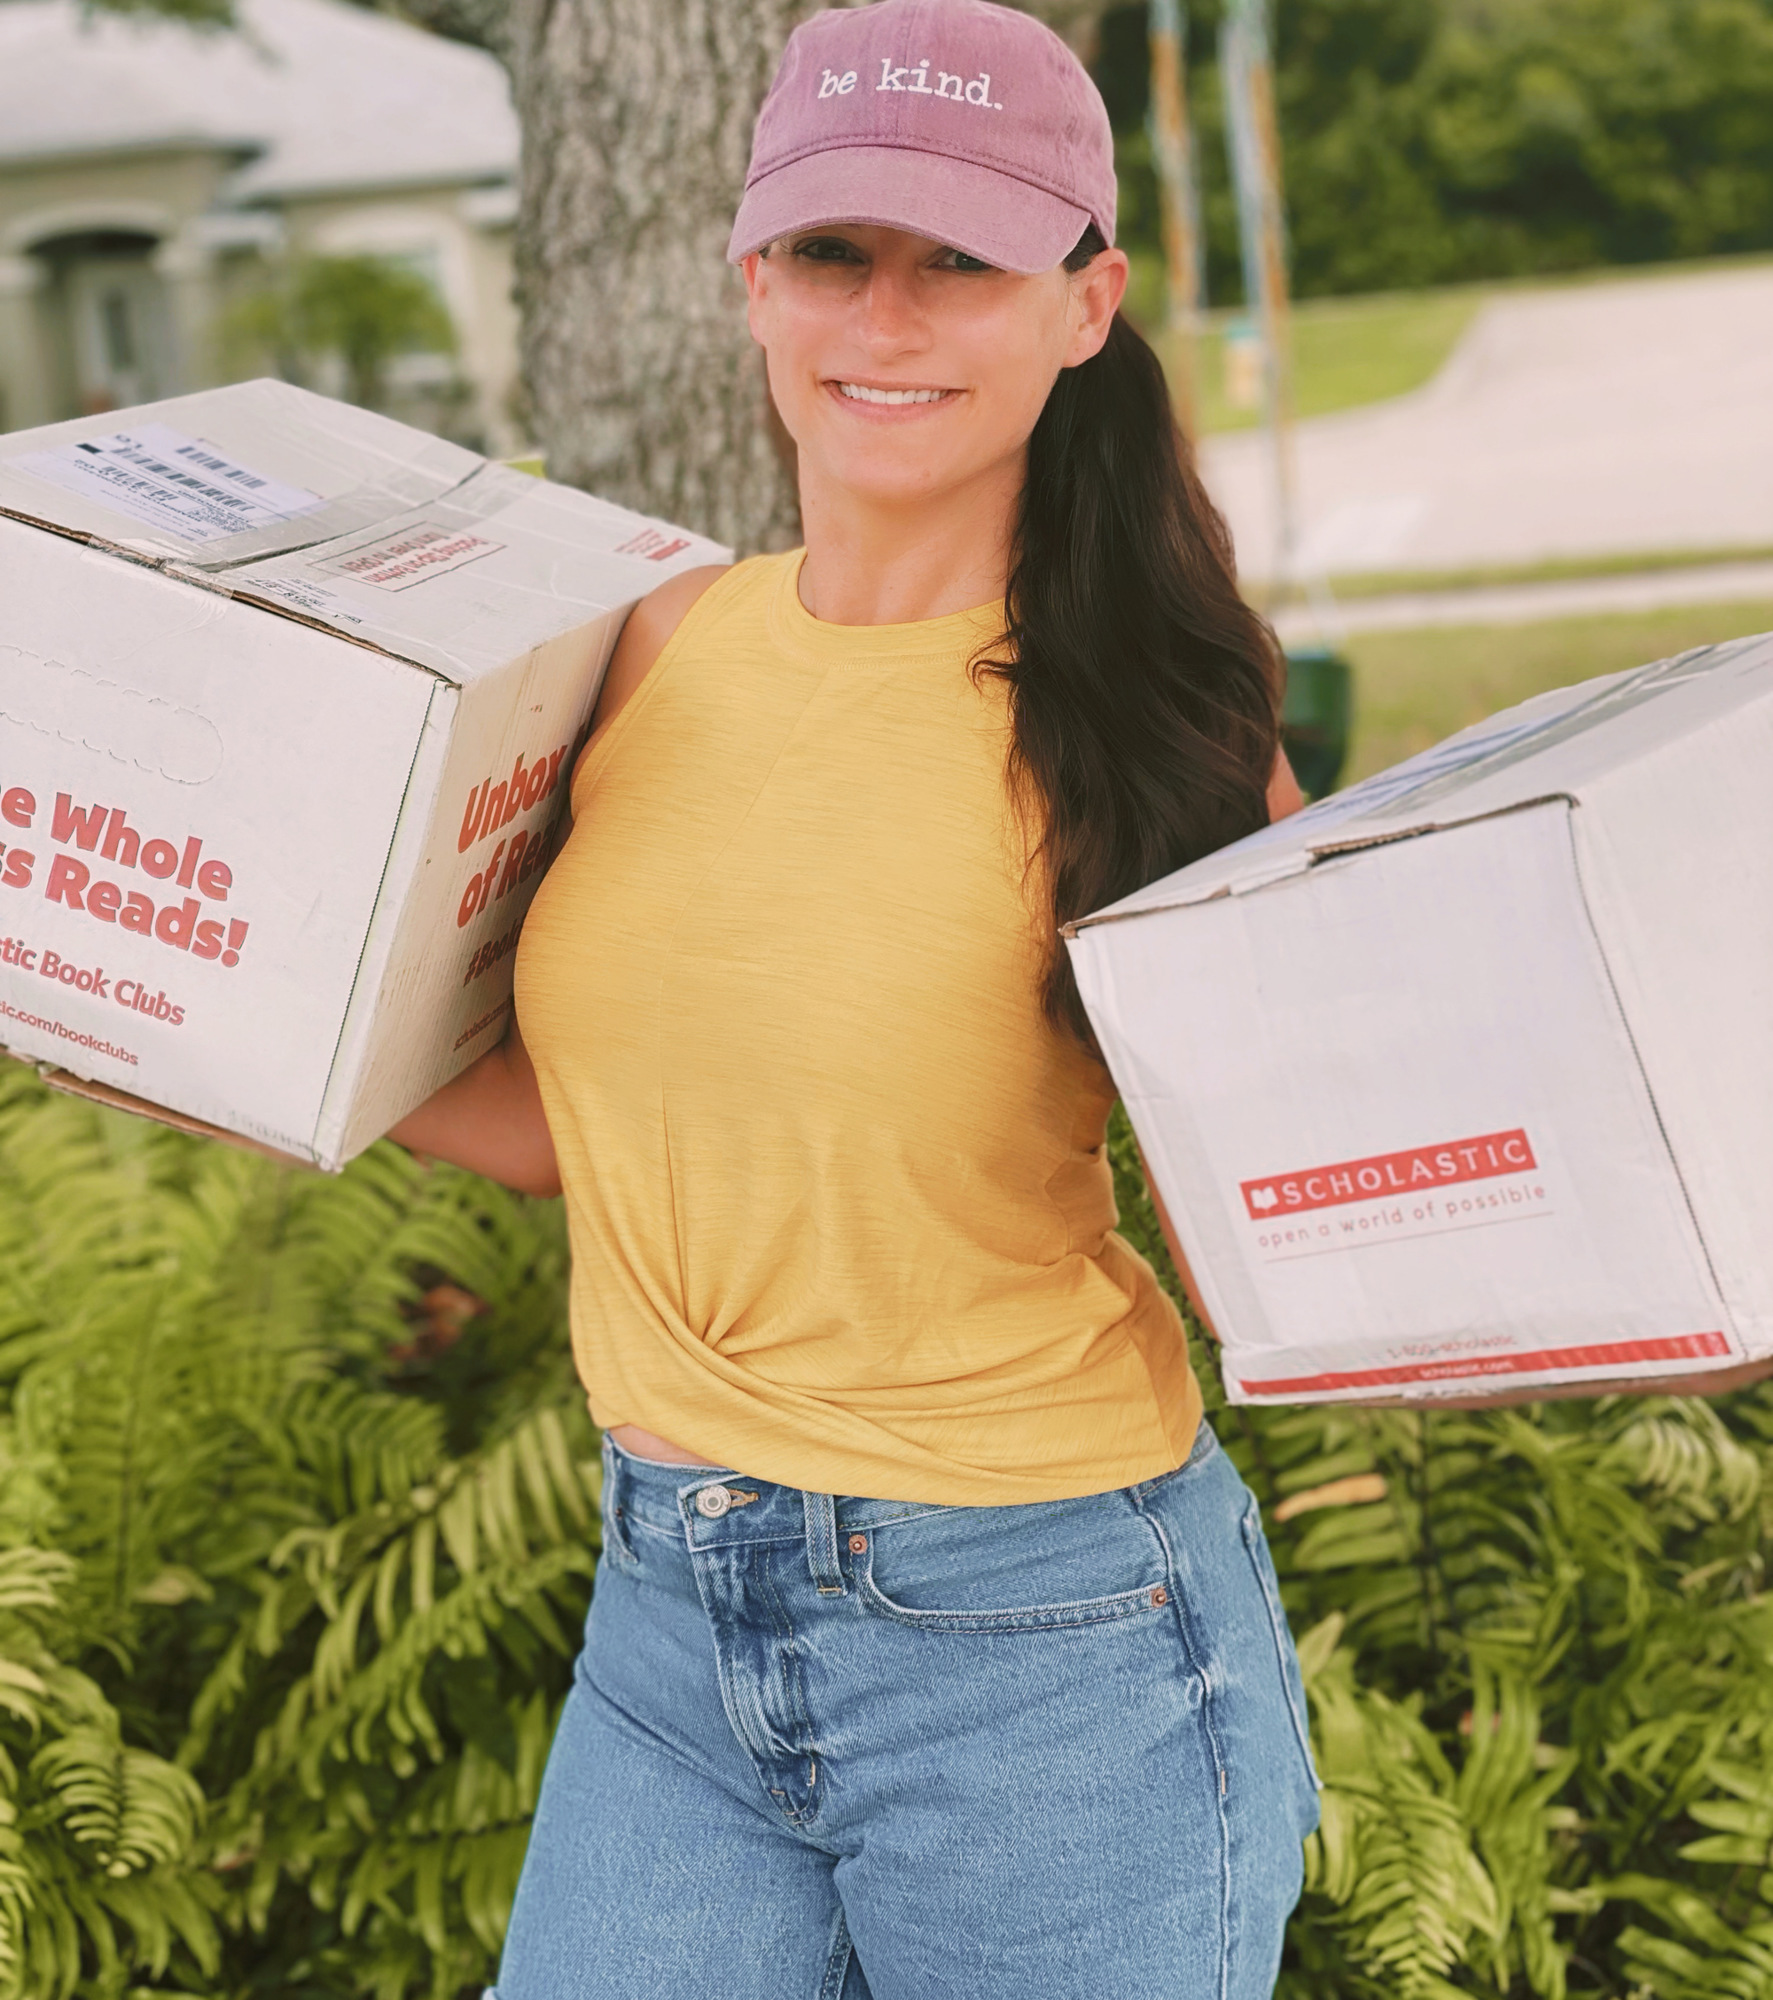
pixel 1189 1287
pixel 490 1118
pixel 1284 795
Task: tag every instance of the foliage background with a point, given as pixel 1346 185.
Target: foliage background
pixel 1428 141
pixel 297 1521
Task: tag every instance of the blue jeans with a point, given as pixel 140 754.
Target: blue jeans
pixel 845 1749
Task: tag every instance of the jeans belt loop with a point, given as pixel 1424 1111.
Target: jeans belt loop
pixel 615 1481
pixel 821 1543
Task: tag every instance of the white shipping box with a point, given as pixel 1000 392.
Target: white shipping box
pixel 1467 1072
pixel 289 698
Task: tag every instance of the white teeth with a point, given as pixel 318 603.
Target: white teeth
pixel 858 394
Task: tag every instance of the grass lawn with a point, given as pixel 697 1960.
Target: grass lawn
pixel 1413 688
pixel 1345 352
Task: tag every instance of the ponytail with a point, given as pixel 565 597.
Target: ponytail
pixel 1145 693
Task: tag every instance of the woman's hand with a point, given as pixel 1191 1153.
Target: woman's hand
pixel 489 1119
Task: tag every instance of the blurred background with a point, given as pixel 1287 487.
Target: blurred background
pixel 1527 378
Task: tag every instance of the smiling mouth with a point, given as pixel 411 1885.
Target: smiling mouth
pixel 860 392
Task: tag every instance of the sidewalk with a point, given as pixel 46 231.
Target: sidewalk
pixel 1586 421
pixel 1528 603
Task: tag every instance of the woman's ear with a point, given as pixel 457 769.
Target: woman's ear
pixel 1096 293
pixel 753 270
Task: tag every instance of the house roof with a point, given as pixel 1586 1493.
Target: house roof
pixel 315 96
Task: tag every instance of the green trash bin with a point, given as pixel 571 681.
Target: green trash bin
pixel 1317 717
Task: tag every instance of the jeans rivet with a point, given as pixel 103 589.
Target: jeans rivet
pixel 1160 1595
pixel 858 1544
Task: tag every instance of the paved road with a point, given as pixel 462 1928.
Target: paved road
pixel 1621 417
pixel 1527 603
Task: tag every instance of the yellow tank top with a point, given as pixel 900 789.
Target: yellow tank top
pixel 840 1208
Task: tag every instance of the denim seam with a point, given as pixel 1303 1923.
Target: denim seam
pixel 613 1519
pixel 1192 1651
pixel 722 1680
pixel 837 1965
pixel 1249 1527
pixel 1032 1618
pixel 1190 1468
pixel 794 1695
pixel 644 1526
pixel 863 1519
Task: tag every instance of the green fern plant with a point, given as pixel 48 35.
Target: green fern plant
pixel 290 1573
pixel 298 1518
pixel 1539 1652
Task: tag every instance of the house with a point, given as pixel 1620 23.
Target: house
pixel 154 174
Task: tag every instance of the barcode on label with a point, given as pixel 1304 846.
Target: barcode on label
pixel 185 486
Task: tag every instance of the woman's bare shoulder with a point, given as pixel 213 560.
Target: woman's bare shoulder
pixel 650 624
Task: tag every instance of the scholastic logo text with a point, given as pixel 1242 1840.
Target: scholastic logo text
pixel 1410 1172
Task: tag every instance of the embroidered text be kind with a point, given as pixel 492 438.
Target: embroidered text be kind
pixel 915 77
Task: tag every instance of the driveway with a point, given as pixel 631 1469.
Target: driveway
pixel 1620 417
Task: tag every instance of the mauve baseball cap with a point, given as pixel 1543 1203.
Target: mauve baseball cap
pixel 958 120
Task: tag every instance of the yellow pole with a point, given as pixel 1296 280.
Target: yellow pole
pixel 1175 182
pixel 1248 78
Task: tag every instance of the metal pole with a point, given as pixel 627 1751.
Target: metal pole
pixel 1172 155
pixel 1248 78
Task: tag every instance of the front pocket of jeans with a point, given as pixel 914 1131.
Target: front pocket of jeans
pixel 1256 1546
pixel 1153 1597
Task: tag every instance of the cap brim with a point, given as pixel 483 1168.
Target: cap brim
pixel 990 215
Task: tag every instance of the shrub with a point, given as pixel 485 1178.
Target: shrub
pixel 1537 1645
pixel 295 1537
pixel 297 1521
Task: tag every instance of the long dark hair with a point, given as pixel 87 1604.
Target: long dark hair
pixel 1145 694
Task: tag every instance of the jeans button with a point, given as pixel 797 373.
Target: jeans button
pixel 712 1502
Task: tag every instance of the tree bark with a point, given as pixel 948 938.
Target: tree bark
pixel 646 388
pixel 636 115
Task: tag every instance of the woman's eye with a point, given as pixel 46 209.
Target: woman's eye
pixel 826 250
pixel 959 260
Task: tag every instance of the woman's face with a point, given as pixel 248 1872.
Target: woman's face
pixel 903 369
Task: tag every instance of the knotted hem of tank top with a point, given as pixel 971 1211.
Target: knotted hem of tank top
pixel 794 628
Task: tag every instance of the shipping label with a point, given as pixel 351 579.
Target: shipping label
pixel 413 555
pixel 184 486
pixel 653 545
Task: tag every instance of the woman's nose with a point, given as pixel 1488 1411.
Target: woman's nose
pixel 892 315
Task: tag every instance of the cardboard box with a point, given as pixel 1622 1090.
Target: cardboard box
pixel 289 696
pixel 1467 1072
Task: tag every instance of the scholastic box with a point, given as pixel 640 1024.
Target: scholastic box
pixel 1467 1072
pixel 289 695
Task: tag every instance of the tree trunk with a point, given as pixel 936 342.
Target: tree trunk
pixel 646 387
pixel 636 115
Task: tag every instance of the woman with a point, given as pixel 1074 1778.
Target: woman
pixel 935 1648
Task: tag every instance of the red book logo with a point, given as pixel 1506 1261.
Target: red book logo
pixel 1480 1159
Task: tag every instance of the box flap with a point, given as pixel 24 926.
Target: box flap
pixel 221 477
pixel 472 579
pixel 1554 746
